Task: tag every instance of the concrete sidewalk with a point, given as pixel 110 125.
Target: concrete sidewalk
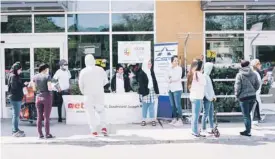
pixel 135 134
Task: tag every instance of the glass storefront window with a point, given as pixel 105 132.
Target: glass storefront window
pixel 50 56
pixel 21 55
pixel 260 21
pixel 224 21
pixel 80 45
pixel 88 22
pixel 136 37
pixel 16 24
pixel 49 23
pixel 133 22
pixel 224 49
pixel 88 6
pixel 130 5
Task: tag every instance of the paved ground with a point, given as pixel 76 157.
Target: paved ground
pixel 135 142
pixel 135 134
pixel 160 151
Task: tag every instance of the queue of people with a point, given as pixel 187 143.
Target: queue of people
pixel 199 83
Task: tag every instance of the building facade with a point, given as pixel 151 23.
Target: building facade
pixel 46 31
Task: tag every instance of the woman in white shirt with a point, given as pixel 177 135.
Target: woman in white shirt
pixel 256 66
pixel 175 90
pixel 196 83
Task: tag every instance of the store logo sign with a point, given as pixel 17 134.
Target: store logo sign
pixel 76 105
pixel 127 52
pixel 164 55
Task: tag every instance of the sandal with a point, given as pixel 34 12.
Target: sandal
pixel 143 123
pixel 154 123
pixel 50 136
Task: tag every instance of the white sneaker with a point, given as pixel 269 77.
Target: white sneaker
pixel 204 133
pixel 178 123
pixel 173 122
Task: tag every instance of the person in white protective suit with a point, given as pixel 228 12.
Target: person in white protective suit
pixel 92 80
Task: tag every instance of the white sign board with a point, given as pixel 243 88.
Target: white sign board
pixel 133 51
pixel 162 64
pixel 124 108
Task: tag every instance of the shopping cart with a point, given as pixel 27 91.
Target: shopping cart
pixel 28 109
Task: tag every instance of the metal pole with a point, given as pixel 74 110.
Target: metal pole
pixel 251 45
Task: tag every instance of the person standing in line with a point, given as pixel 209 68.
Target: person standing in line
pixel 62 76
pixel 92 80
pixel 15 89
pixel 175 90
pixel 148 89
pixel 245 87
pixel 255 113
pixel 42 86
pixel 196 83
pixel 120 82
pixel 209 98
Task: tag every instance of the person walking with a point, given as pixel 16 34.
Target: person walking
pixel 148 90
pixel 175 90
pixel 15 89
pixel 246 85
pixel 196 83
pixel 255 113
pixel 42 86
pixel 62 77
pixel 209 98
pixel 120 82
pixel 92 80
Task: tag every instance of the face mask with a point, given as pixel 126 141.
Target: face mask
pixel 19 72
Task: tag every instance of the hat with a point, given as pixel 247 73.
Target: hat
pixel 16 66
pixel 62 62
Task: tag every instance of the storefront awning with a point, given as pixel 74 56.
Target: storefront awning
pixel 237 4
pixel 38 5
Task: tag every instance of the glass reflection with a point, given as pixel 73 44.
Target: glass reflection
pixel 133 22
pixel 88 22
pixel 16 24
pixel 224 49
pixel 260 21
pixel 88 5
pixel 224 21
pixel 49 23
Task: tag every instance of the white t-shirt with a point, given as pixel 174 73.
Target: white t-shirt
pixel 63 78
pixel 175 75
pixel 120 85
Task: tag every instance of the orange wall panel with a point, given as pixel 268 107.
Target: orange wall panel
pixel 174 17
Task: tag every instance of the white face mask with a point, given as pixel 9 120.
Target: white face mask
pixel 63 67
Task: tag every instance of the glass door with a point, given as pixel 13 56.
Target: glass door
pixel 11 54
pixel 30 56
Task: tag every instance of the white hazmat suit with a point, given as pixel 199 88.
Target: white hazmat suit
pixel 92 80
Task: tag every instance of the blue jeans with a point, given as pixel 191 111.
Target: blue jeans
pixel 175 100
pixel 151 107
pixel 246 107
pixel 16 106
pixel 196 109
pixel 208 111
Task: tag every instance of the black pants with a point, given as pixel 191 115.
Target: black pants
pixel 60 103
pixel 257 115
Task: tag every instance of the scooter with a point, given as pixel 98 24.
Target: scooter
pixel 216 131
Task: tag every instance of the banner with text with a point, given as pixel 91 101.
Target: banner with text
pixel 133 51
pixel 124 108
pixel 162 63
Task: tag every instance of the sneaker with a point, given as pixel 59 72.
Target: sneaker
pixel 204 133
pixel 244 133
pixel 173 121
pixel 178 123
pixel 104 131
pixel 255 123
pixel 60 120
pixel 95 134
pixel 18 134
pixel 50 136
